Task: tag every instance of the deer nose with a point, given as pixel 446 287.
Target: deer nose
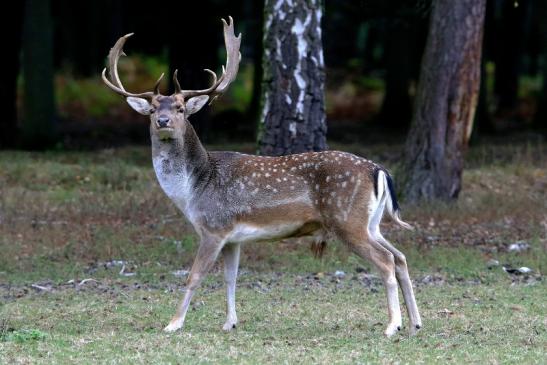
pixel 163 121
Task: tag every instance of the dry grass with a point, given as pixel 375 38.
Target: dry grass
pixel 75 208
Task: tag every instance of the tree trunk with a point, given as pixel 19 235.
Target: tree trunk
pixel 193 45
pixel 255 21
pixel 344 17
pixel 396 111
pixel 511 32
pixel 293 105
pixel 11 25
pixel 77 38
pixel 39 129
pixel 446 101
pixel 484 123
pixel 540 119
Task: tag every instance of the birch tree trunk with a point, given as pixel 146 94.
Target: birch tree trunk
pixel 446 101
pixel 293 105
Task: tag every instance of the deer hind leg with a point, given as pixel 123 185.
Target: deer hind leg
pixel 205 258
pixel 401 268
pixel 230 252
pixel 383 260
pixel 401 271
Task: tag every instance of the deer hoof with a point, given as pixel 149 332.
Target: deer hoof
pixel 228 326
pixel 172 327
pixel 414 330
pixel 391 330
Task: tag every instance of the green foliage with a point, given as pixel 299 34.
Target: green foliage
pixel 89 96
pixel 83 98
pixel 239 94
pixel 153 66
pixel 371 83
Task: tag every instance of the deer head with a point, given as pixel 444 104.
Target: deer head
pixel 169 113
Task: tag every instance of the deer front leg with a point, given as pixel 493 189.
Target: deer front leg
pixel 206 256
pixel 230 253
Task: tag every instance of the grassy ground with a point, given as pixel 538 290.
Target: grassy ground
pixel 66 216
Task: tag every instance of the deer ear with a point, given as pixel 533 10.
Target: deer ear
pixel 139 104
pixel 194 105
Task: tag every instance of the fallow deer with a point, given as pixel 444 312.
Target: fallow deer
pixel 232 198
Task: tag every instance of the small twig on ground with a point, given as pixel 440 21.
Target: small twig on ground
pixel 86 280
pixel 40 287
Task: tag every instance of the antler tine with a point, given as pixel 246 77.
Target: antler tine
pixel 121 91
pixel 229 72
pixel 176 82
pixel 190 93
pixel 115 84
pixel 157 85
pixel 113 56
pixel 233 58
pixel 214 76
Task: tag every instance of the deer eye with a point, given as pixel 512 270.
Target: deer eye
pixel 152 110
pixel 180 109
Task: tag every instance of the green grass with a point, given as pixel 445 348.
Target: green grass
pixel 322 322
pixel 22 335
pixel 65 215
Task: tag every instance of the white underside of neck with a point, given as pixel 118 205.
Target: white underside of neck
pixel 177 185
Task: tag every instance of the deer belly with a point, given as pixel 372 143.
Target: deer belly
pixel 243 233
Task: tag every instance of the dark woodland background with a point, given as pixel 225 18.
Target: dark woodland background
pixel 372 52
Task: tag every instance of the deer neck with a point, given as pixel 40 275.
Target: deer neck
pixel 183 167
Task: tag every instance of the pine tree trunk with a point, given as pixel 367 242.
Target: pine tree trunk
pixel 293 105
pixel 39 123
pixel 446 100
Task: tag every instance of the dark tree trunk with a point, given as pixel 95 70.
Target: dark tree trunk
pixel 396 111
pixel 344 17
pixel 255 21
pixel 78 37
pixel 540 119
pixel 193 45
pixel 39 129
pixel 293 106
pixel 511 31
pixel 483 121
pixel 12 26
pixel 446 101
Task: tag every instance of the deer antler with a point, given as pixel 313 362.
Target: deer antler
pixel 219 85
pixel 113 56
